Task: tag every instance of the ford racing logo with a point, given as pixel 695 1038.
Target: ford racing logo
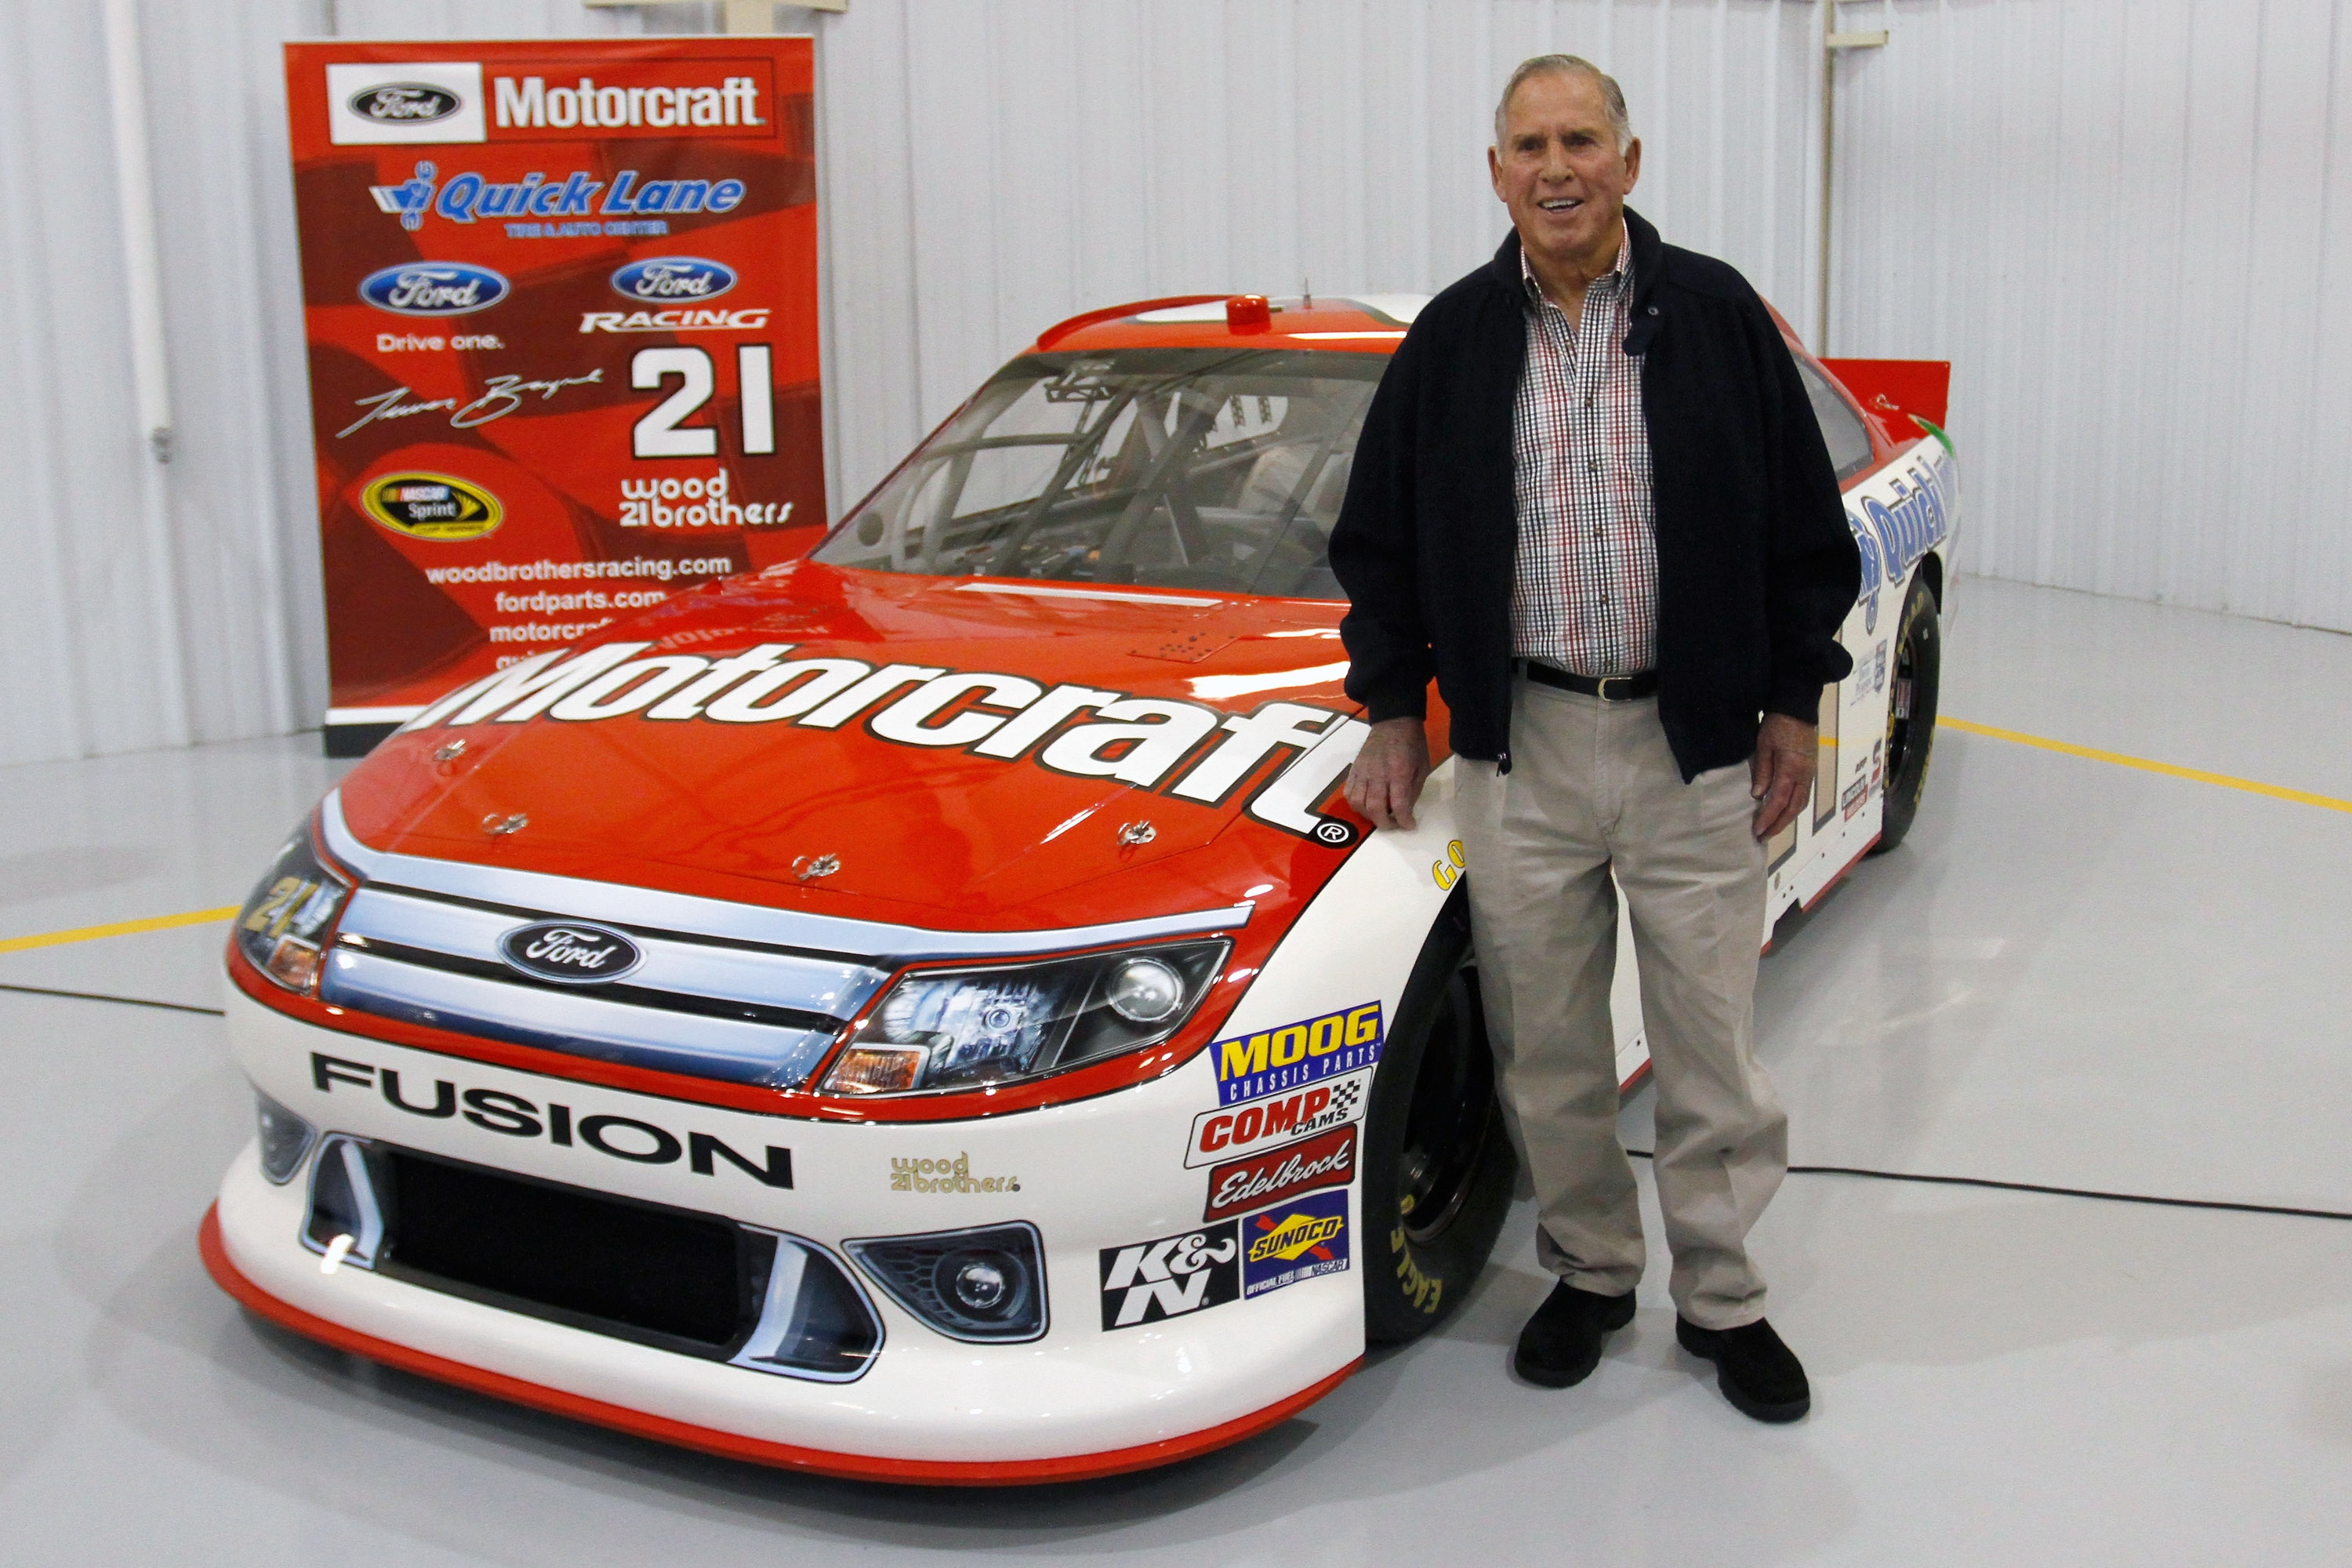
pixel 434 288
pixel 674 278
pixel 569 953
pixel 405 103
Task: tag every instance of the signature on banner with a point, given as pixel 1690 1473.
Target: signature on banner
pixel 501 395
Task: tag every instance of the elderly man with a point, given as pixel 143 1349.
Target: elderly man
pixel 1592 501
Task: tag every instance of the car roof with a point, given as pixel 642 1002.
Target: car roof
pixel 1373 324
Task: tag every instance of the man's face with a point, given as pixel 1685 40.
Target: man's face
pixel 1559 170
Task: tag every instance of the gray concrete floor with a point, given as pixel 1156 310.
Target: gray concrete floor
pixel 2073 973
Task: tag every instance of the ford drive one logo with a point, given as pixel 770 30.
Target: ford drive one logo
pixel 570 954
pixel 405 103
pixel 433 288
pixel 674 278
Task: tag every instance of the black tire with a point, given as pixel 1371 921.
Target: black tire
pixel 1919 660
pixel 1437 1162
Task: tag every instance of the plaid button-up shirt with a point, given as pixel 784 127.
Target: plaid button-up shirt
pixel 1585 594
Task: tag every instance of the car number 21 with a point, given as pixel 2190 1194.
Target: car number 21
pixel 659 433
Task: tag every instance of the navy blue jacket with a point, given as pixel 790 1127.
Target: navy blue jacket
pixel 1757 569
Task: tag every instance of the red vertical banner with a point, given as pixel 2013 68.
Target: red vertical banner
pixel 561 302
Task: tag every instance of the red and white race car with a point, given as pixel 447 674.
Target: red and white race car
pixel 922 1011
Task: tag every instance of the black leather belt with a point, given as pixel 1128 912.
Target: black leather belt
pixel 1608 688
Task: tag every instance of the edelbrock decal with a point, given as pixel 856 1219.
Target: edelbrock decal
pixel 434 288
pixel 674 278
pixel 569 953
pixel 1254 1065
pixel 1288 755
pixel 1295 1241
pixel 1235 1129
pixel 1282 1174
pixel 1147 1281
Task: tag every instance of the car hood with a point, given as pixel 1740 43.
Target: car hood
pixel 863 814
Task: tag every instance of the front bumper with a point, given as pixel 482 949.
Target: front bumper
pixel 1080 1400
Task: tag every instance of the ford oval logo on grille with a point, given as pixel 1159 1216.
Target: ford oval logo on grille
pixel 570 953
pixel 674 278
pixel 433 288
pixel 405 103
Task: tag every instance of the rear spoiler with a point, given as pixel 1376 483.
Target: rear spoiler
pixel 1918 387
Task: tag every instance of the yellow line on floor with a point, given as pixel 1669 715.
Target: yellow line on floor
pixel 2170 770
pixel 120 928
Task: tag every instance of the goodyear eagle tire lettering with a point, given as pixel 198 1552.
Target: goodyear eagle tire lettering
pixel 1438 1164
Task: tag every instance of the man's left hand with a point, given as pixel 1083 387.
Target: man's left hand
pixel 1780 774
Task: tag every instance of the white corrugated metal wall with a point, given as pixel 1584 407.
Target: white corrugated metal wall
pixel 2128 223
pixel 2113 215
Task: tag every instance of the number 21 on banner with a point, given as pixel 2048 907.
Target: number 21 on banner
pixel 659 434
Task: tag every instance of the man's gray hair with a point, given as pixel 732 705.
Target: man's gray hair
pixel 1612 95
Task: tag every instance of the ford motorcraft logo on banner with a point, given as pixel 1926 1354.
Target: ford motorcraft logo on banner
pixel 560 306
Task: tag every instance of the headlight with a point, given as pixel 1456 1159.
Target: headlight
pixel 958 1028
pixel 282 925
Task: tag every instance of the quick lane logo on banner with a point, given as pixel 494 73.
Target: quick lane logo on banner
pixel 561 307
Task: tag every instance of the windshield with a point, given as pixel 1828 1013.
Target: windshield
pixel 1170 468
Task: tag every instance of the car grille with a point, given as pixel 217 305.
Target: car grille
pixel 736 992
pixel 697 1284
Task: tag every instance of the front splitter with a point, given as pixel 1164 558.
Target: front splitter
pixel 733 1445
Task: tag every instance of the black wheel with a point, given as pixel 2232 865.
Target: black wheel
pixel 1437 1162
pixel 1910 713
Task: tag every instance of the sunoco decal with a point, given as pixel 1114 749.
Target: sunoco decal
pixel 1282 1174
pixel 431 506
pixel 1148 1282
pixel 1250 1066
pixel 1289 755
pixel 433 288
pixel 1295 1241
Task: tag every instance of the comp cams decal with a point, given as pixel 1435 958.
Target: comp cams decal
pixel 496 1110
pixel 1234 1130
pixel 1148 1282
pixel 1252 1066
pixel 1283 1173
pixel 1295 1241
pixel 1074 730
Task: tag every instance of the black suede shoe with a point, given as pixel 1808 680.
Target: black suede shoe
pixel 1562 1343
pixel 1756 1372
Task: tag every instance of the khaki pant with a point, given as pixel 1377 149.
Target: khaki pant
pixel 1593 788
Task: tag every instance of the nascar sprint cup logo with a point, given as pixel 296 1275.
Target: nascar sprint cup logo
pixel 668 278
pixel 431 506
pixel 433 288
pixel 405 103
pixel 570 954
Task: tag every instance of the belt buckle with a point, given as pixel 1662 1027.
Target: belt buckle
pixel 1607 681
